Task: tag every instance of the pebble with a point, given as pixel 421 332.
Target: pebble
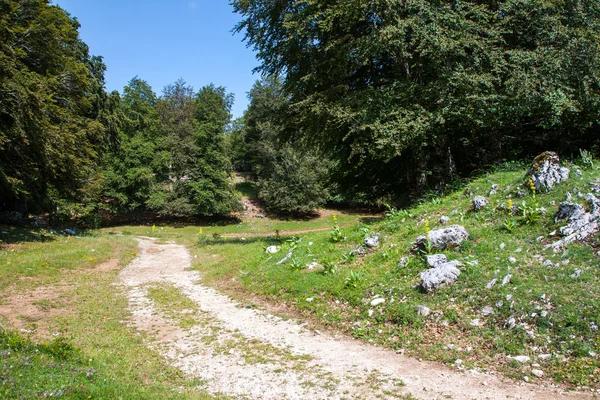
pixel 521 359
pixel 537 372
pixel 491 283
pixel 506 280
pixel 512 260
pixel 423 311
pixel 376 302
pixel 487 310
pixel 502 246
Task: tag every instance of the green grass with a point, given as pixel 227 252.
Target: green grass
pixel 554 312
pixel 96 355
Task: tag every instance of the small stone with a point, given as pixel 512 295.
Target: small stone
pixel 491 283
pixel 310 299
pixel 403 262
pixel 487 311
pixel 537 372
pixel 512 260
pixel 544 314
pixel 506 279
pixel 544 357
pixel 539 239
pixel 273 249
pixel 521 359
pixel 576 274
pixel 548 264
pixel 578 172
pixel 458 361
pixel 510 323
pixel 475 322
pixel 376 302
pixel 502 246
pixel 423 311
pixel 370 312
pixel 444 220
pixel 493 190
pixel 526 378
pixel 372 240
pixel 479 202
pixel 499 304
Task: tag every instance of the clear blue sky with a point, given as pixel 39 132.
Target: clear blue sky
pixel 162 41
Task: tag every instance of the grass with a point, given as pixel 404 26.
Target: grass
pixel 93 353
pixel 554 313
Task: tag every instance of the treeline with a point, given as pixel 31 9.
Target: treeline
pixel 69 148
pixel 405 96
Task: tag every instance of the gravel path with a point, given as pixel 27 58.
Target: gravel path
pixel 245 353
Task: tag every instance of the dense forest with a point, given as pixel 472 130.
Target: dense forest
pixel 363 102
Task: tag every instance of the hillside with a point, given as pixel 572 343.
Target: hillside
pixel 528 311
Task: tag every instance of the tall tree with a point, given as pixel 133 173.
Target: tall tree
pixel 291 178
pixel 53 108
pixel 139 160
pixel 406 93
pixel 194 127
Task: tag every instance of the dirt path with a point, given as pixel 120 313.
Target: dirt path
pixel 245 353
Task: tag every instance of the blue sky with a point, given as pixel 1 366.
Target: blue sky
pixel 162 41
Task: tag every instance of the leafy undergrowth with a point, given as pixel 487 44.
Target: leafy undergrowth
pixel 546 310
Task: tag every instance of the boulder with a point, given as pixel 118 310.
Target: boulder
pixel 545 172
pixel 580 224
pixel 443 238
pixel 479 202
pixel 442 272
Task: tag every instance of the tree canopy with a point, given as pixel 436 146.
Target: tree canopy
pixel 408 93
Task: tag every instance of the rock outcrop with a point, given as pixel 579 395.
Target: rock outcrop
pixel 545 172
pixel 442 238
pixel 442 272
pixel 580 224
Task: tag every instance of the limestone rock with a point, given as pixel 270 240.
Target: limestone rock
pixel 443 274
pixel 479 202
pixel 443 238
pixel 545 172
pixel 423 311
pixel 272 249
pixel 444 220
pixel 493 190
pixel 580 224
pixel 372 240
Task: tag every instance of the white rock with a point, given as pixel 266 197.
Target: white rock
pixel 537 372
pixel 376 302
pixel 444 220
pixel 506 279
pixel 502 246
pixel 479 202
pixel 491 283
pixel 521 359
pixel 475 322
pixel 544 356
pixel 487 311
pixel 372 240
pixel 423 311
pixel 273 249
pixel 512 260
pixel 310 299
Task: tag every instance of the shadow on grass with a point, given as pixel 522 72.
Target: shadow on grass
pixel 15 235
pixel 247 189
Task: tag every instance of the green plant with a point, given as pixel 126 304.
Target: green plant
pixel 509 225
pixel 587 160
pixel 336 235
pixel 328 269
pixel 296 265
pixel 353 279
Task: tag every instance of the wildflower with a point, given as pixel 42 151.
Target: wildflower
pixel 532 186
pixel 427 229
pixel 153 227
pixel 200 231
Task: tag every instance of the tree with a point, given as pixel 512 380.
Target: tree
pixel 139 161
pixel 406 94
pixel 194 128
pixel 290 178
pixel 54 111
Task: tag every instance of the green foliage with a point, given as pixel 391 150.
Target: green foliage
pixel 586 158
pixel 290 178
pixel 405 95
pixel 55 117
pixel 354 279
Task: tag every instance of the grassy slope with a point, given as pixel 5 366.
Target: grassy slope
pixel 95 354
pixel 554 312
